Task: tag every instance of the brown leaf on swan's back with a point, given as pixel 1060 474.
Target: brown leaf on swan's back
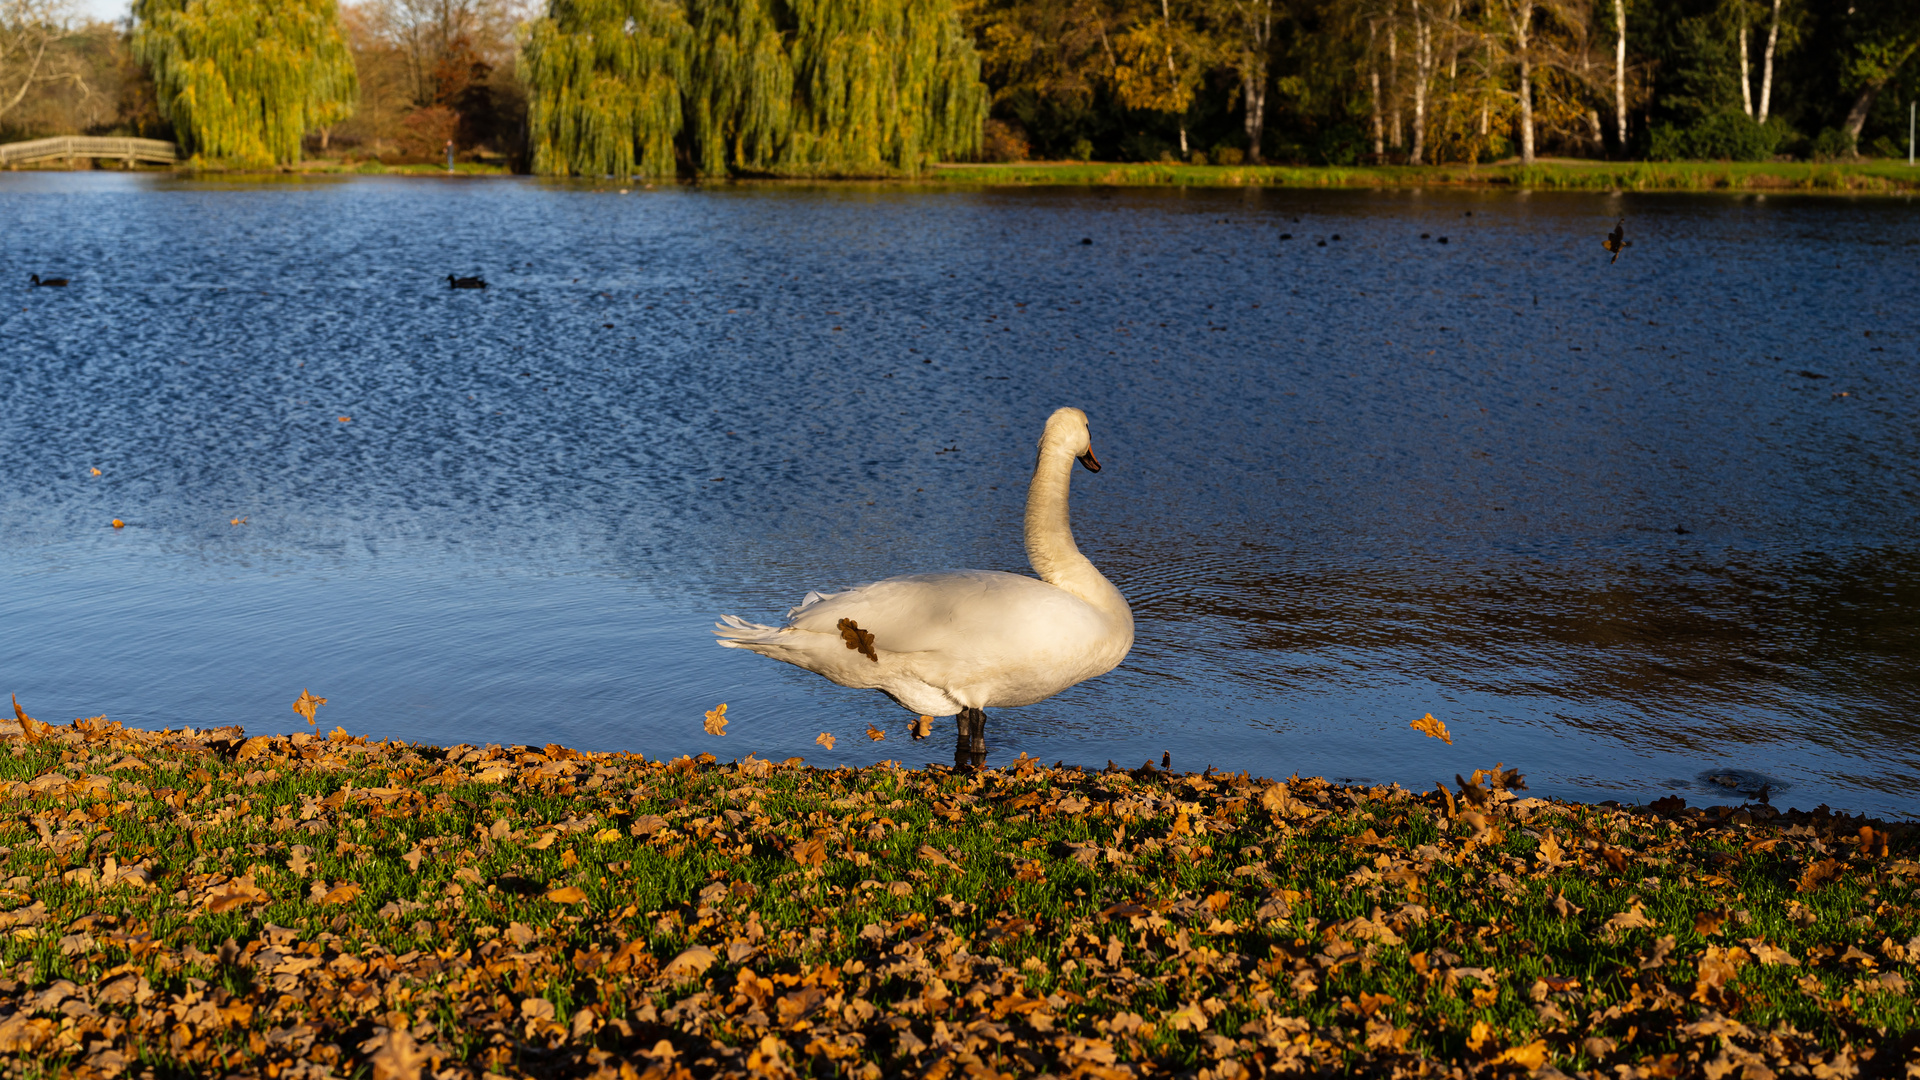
pixel 857 638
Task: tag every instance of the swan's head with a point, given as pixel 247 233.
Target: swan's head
pixel 1067 430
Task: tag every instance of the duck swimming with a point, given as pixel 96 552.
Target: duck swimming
pixel 959 642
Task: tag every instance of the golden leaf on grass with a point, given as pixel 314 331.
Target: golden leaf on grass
pixel 1717 967
pixel 306 703
pixel 1478 1035
pixel 716 723
pixel 754 766
pixel 1427 725
pixel 1278 800
pixel 568 860
pixel 875 734
pixel 811 853
pixel 691 961
pixel 252 748
pixel 1188 1017
pixel 1550 852
pixel 1707 923
pixel 1633 919
pixel 1820 873
pixel 824 739
pixel 30 729
pixel 858 639
pixel 567 894
pixel 395 1055
pixel 345 893
pixel 933 855
pixel 606 836
pixel 1531 1056
pixel 412 858
pixel 923 727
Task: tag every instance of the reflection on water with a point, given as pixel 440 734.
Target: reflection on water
pixel 1622 526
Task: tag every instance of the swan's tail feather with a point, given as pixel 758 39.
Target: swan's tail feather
pixel 735 632
pixel 813 597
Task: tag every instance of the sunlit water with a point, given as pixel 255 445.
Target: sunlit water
pixel 1602 520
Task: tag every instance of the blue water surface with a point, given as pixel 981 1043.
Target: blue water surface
pixel 1620 526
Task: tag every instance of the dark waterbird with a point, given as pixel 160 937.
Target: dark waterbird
pixel 49 283
pixel 475 282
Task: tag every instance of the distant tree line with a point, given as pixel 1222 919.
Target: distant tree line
pixel 823 87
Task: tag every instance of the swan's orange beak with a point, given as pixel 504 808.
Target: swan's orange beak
pixel 1092 463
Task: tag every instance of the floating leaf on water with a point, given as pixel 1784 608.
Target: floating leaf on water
pixel 96 472
pixel 716 722
pixel 118 524
pixel 306 703
pixel 922 727
pixel 824 739
pixel 1432 728
pixel 876 734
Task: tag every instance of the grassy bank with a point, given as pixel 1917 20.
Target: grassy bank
pixel 186 904
pixel 1884 177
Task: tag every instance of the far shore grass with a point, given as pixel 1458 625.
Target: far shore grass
pixel 1883 177
pixel 185 903
pixel 1865 177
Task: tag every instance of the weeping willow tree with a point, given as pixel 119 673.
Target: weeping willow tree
pixel 891 82
pixel 741 96
pixel 605 78
pixel 244 80
pixel 784 86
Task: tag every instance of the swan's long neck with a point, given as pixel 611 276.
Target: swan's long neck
pixel 1050 547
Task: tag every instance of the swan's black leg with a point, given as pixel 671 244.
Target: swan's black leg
pixel 960 748
pixel 971 750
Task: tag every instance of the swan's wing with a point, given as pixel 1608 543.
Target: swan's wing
pixel 975 613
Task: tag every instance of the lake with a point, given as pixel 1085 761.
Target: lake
pixel 1623 526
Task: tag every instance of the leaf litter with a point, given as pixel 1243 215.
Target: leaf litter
pixel 203 903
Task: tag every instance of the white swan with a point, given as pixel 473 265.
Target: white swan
pixel 967 640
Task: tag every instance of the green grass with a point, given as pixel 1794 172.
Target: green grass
pixel 1857 177
pixel 408 904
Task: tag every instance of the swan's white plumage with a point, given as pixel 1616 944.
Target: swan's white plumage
pixel 970 638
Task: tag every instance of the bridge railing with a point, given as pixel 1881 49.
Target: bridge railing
pixel 119 148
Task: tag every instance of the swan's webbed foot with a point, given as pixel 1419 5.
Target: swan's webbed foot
pixel 971 749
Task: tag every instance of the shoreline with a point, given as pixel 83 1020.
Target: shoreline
pixel 1888 177
pixel 192 902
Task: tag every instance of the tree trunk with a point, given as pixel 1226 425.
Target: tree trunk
pixel 1260 31
pixel 1766 65
pixel 1857 116
pixel 1256 92
pixel 1393 85
pixel 1173 73
pixel 1620 75
pixel 1746 73
pixel 1373 78
pixel 1522 25
pixel 1422 74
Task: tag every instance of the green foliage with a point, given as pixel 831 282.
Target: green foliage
pixel 883 82
pixel 625 86
pixel 1724 136
pixel 244 80
pixel 605 77
pixel 1832 144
